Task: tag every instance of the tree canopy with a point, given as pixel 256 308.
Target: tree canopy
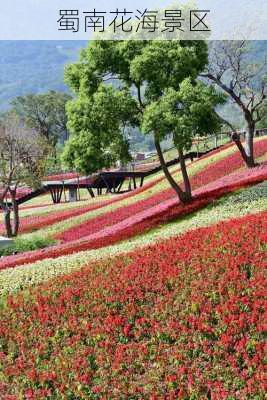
pixel 147 84
pixel 45 113
pixel 97 121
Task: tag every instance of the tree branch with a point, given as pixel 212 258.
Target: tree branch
pixel 227 90
pixel 225 121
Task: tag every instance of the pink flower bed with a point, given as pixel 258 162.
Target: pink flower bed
pixel 144 220
pixel 213 172
pixel 29 224
pixel 32 206
pixel 61 177
pixel 24 191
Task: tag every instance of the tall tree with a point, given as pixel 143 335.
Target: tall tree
pixel 23 154
pixel 45 113
pixel 148 76
pixel 186 113
pixel 244 82
pixel 97 120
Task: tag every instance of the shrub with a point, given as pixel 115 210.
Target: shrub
pixel 21 245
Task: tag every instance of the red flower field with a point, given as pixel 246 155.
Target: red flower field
pixel 180 320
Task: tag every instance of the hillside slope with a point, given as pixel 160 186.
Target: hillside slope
pixel 34 67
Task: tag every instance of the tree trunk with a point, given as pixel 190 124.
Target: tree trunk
pixel 183 196
pixel 7 218
pixel 7 221
pixel 249 143
pixel 246 152
pixel 15 207
pixel 236 139
pixel 185 174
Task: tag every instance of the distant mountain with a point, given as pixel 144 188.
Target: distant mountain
pixel 34 66
pixel 37 66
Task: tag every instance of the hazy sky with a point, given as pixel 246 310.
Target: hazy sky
pixel 37 19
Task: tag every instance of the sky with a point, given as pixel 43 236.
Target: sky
pixel 37 19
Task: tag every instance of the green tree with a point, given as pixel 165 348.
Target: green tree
pixel 97 120
pixel 186 113
pixel 153 86
pixel 45 113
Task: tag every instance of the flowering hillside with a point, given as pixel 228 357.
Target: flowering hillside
pixel 243 202
pixel 171 307
pixel 183 319
pixel 115 226
pixel 126 273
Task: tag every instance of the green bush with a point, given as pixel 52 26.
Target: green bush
pixel 21 245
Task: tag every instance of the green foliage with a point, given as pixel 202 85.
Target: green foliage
pixel 44 112
pixel 97 121
pixel 165 64
pixel 86 154
pixel 21 245
pixel 263 122
pixel 186 112
pixel 148 80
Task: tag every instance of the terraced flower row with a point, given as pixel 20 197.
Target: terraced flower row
pixel 169 210
pixel 211 173
pixel 43 209
pixel 183 319
pixel 73 175
pixel 247 201
pixel 46 217
pixel 29 224
pixel 138 222
pixel 155 185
